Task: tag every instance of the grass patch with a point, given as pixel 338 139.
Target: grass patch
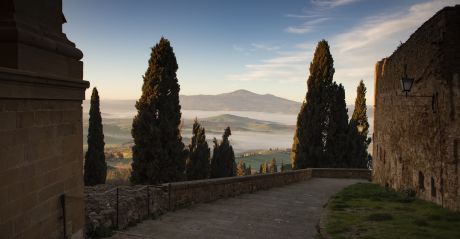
pixel 366 210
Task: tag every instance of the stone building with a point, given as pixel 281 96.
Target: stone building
pixel 417 138
pixel 41 92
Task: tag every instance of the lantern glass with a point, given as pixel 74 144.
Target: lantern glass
pixel 360 128
pixel 406 84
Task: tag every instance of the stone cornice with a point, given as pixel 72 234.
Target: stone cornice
pixel 16 84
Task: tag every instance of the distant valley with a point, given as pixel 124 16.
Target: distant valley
pixel 257 121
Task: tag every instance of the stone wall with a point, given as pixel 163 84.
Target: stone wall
pixel 135 203
pixel 416 138
pixel 183 194
pixel 341 173
pixel 41 91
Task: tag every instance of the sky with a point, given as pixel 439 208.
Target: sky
pixel 263 46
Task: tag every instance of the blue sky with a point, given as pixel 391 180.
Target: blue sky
pixel 221 46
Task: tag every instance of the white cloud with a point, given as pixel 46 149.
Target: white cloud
pixel 267 47
pixel 286 67
pixel 331 3
pixel 307 26
pixel 355 51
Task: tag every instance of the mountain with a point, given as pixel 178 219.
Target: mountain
pixel 238 123
pixel 240 100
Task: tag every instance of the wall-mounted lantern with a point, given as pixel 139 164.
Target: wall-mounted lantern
pixel 406 82
pixel 360 128
pixel 406 85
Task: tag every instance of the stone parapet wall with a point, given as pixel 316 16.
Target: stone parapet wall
pixel 190 192
pixel 101 200
pixel 135 203
pixel 342 173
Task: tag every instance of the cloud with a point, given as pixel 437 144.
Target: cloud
pixel 267 47
pixel 331 3
pixel 355 51
pixel 307 26
pixel 286 67
pixel 302 16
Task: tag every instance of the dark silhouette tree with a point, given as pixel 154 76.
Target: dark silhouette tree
pixel 198 163
pixel 95 165
pixel 223 157
pixel 311 132
pixel 272 167
pixel 337 130
pixel 248 170
pixel 359 128
pixel 158 152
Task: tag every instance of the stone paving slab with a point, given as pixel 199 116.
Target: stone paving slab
pixel 289 212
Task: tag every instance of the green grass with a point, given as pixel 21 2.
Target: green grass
pixel 366 210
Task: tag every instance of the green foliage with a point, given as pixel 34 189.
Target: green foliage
pixel 95 165
pixel 336 150
pixel 198 163
pixel 366 210
pixel 358 140
pixel 242 170
pixel 272 167
pixel 322 123
pixel 223 158
pixel 158 152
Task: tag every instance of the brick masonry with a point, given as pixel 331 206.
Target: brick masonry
pixel 415 147
pixel 41 92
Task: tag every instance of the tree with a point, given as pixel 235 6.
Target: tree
pixel 223 157
pixel 95 165
pixel 248 170
pixel 359 128
pixel 241 169
pixel 197 166
pixel 337 130
pixel 311 132
pixel 273 168
pixel 158 152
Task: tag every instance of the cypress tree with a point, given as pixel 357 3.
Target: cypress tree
pixel 95 165
pixel 249 170
pixel 358 140
pixel 198 164
pixel 311 132
pixel 223 157
pixel 158 152
pixel 273 168
pixel 241 169
pixel 337 129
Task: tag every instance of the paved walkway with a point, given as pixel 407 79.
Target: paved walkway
pixel 286 212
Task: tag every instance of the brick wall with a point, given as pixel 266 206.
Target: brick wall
pixel 414 147
pixel 40 159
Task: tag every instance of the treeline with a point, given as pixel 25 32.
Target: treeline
pixel 324 136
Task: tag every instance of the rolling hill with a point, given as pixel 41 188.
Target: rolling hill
pixel 240 100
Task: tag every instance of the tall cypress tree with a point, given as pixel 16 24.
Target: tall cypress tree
pixel 198 163
pixel 337 129
pixel 310 136
pixel 95 165
pixel 158 152
pixel 223 158
pixel 358 140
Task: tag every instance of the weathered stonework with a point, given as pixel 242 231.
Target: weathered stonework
pixel 41 92
pixel 416 139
